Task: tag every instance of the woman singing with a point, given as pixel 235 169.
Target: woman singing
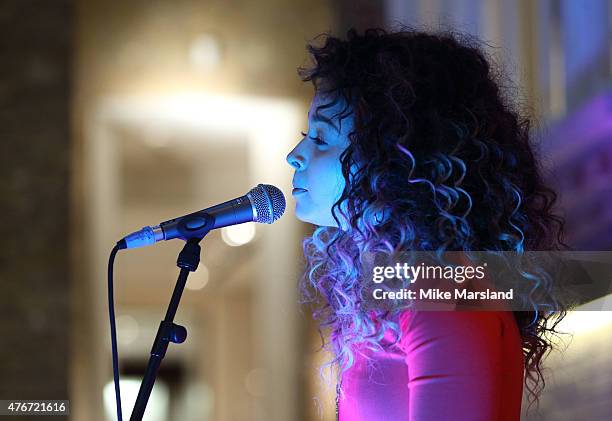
pixel 411 145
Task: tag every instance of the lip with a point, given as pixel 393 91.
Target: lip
pixel 298 191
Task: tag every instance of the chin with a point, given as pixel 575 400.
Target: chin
pixel 309 214
pixel 304 216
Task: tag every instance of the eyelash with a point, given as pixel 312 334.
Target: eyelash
pixel 317 141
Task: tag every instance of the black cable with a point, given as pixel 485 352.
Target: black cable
pixel 111 313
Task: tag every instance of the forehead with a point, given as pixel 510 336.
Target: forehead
pixel 328 109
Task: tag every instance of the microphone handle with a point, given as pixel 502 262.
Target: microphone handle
pixel 232 212
pixel 197 224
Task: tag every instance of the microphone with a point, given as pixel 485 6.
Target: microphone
pixel 263 204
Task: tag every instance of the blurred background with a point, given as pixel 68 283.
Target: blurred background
pixel 120 114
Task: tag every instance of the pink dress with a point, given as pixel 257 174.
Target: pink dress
pixel 450 365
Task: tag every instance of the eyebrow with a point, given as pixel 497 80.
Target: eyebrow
pixel 321 118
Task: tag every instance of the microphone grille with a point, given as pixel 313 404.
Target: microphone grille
pixel 269 203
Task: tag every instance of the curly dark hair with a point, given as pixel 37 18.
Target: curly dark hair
pixel 442 151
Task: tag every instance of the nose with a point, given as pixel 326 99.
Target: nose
pixel 296 159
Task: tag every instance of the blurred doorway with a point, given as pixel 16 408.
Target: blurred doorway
pixel 148 159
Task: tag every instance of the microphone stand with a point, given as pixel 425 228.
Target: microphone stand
pixel 188 260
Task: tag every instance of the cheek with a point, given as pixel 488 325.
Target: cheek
pixel 326 180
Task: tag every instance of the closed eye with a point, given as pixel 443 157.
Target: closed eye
pixel 316 140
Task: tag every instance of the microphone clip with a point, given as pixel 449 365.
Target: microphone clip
pixel 189 257
pixel 195 225
pixel 192 228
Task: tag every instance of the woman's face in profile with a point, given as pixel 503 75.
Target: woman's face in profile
pixel 318 180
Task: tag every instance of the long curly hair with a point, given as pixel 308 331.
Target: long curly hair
pixel 445 156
